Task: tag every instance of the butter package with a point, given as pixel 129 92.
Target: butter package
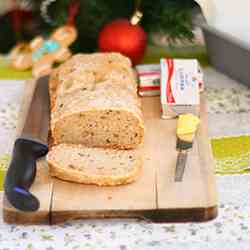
pixel 200 79
pixel 149 76
pixel 181 82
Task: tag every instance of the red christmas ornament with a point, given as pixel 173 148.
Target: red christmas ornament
pixel 122 36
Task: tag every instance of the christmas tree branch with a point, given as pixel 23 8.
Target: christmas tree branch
pixel 172 17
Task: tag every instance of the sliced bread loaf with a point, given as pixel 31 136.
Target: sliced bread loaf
pixel 87 70
pixel 107 116
pixel 79 60
pixel 103 167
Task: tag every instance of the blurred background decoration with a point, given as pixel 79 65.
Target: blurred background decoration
pixel 16 23
pixel 22 20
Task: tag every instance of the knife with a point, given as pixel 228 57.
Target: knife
pixel 182 148
pixel 186 127
pixel 28 148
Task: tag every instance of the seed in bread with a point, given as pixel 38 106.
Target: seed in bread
pixel 103 167
pixel 87 70
pixel 108 116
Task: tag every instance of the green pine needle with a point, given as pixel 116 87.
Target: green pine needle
pixel 173 17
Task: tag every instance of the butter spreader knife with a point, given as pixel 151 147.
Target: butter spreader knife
pixel 28 148
pixel 182 147
pixel 186 127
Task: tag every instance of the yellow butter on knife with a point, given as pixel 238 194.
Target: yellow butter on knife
pixel 186 127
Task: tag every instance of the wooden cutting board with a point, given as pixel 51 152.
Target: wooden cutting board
pixel 154 196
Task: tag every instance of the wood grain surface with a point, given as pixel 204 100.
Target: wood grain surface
pixel 41 188
pixel 154 196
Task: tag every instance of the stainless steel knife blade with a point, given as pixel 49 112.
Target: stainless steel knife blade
pixel 180 165
pixel 36 124
pixel 183 148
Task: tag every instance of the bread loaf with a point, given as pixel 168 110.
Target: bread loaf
pixel 107 116
pixel 84 71
pixel 53 84
pixel 103 167
pixel 96 120
pixel 87 70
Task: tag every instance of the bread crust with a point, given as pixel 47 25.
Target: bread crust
pixel 56 126
pixel 110 96
pixel 121 88
pixel 53 85
pixel 74 175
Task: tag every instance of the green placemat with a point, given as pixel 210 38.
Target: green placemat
pixel 232 155
pixel 4 162
pixel 6 72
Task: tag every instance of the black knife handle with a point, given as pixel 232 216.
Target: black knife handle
pixel 21 174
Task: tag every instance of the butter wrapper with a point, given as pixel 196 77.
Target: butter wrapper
pixel 200 79
pixel 181 80
pixel 149 76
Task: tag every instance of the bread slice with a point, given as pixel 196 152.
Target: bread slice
pixel 108 116
pixel 87 70
pixel 94 59
pixel 103 167
pixel 84 71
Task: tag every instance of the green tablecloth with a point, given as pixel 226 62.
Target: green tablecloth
pixel 6 72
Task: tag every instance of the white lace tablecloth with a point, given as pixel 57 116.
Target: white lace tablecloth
pixel 229 114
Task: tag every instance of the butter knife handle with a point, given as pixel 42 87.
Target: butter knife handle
pixel 21 174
